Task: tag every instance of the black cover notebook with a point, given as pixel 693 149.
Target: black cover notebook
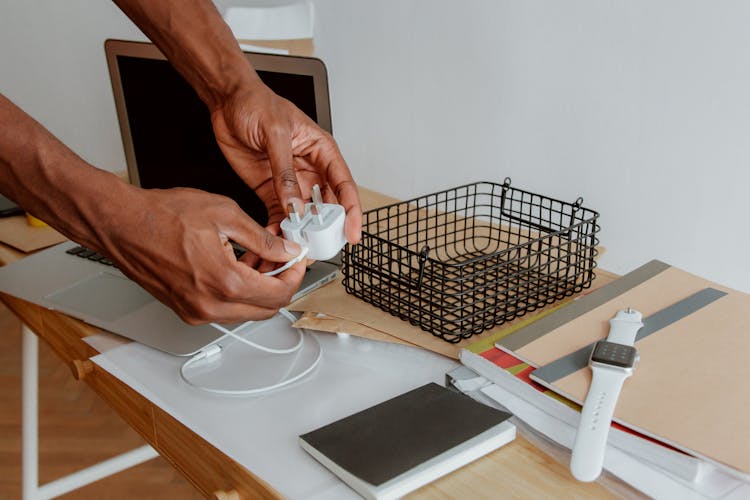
pixel 430 427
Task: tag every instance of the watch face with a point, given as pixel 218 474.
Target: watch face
pixel 614 354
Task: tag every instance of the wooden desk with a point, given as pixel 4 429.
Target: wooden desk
pixel 516 470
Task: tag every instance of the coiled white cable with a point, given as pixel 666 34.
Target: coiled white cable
pixel 233 334
pixel 216 348
pixel 290 263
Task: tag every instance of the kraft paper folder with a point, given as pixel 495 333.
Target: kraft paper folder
pixel 690 388
pixel 16 232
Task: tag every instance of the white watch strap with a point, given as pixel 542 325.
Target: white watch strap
pixel 596 417
pixel 624 327
pixel 599 407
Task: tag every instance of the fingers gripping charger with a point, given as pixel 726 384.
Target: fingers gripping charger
pixel 320 228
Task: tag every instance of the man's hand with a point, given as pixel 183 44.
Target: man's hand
pixel 281 153
pixel 176 244
pixel 274 147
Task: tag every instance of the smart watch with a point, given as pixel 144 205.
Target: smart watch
pixel 612 361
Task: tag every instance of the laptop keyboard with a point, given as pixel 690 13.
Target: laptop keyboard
pixel 86 253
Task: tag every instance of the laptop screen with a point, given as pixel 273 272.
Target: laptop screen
pixel 173 144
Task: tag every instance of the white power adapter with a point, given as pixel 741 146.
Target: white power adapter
pixel 320 228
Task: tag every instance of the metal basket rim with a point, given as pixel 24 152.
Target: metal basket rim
pixel 472 261
pixel 477 183
pixel 481 258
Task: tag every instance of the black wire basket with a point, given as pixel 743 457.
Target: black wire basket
pixel 463 260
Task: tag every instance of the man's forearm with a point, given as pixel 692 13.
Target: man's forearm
pixel 195 39
pixel 47 179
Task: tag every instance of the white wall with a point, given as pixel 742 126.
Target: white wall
pixel 52 65
pixel 640 107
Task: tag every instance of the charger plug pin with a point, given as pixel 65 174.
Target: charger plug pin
pixel 317 198
pixel 317 205
pixel 293 214
pixel 317 216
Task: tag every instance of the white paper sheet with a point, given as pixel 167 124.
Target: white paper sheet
pixel 622 465
pixel 264 50
pixel 650 480
pixel 284 22
pixel 261 432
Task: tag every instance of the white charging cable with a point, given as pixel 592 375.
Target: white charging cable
pixel 290 263
pixel 233 334
pixel 216 348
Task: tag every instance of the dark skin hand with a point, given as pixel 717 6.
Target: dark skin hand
pixel 175 242
pixel 280 153
pixel 193 226
pixel 273 146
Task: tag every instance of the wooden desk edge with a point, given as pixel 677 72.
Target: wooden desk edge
pixel 206 467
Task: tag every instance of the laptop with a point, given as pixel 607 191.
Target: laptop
pixel 168 142
pixel 8 208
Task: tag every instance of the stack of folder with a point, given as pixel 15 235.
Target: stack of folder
pixel 681 416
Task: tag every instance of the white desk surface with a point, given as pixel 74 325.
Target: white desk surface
pixel 261 432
